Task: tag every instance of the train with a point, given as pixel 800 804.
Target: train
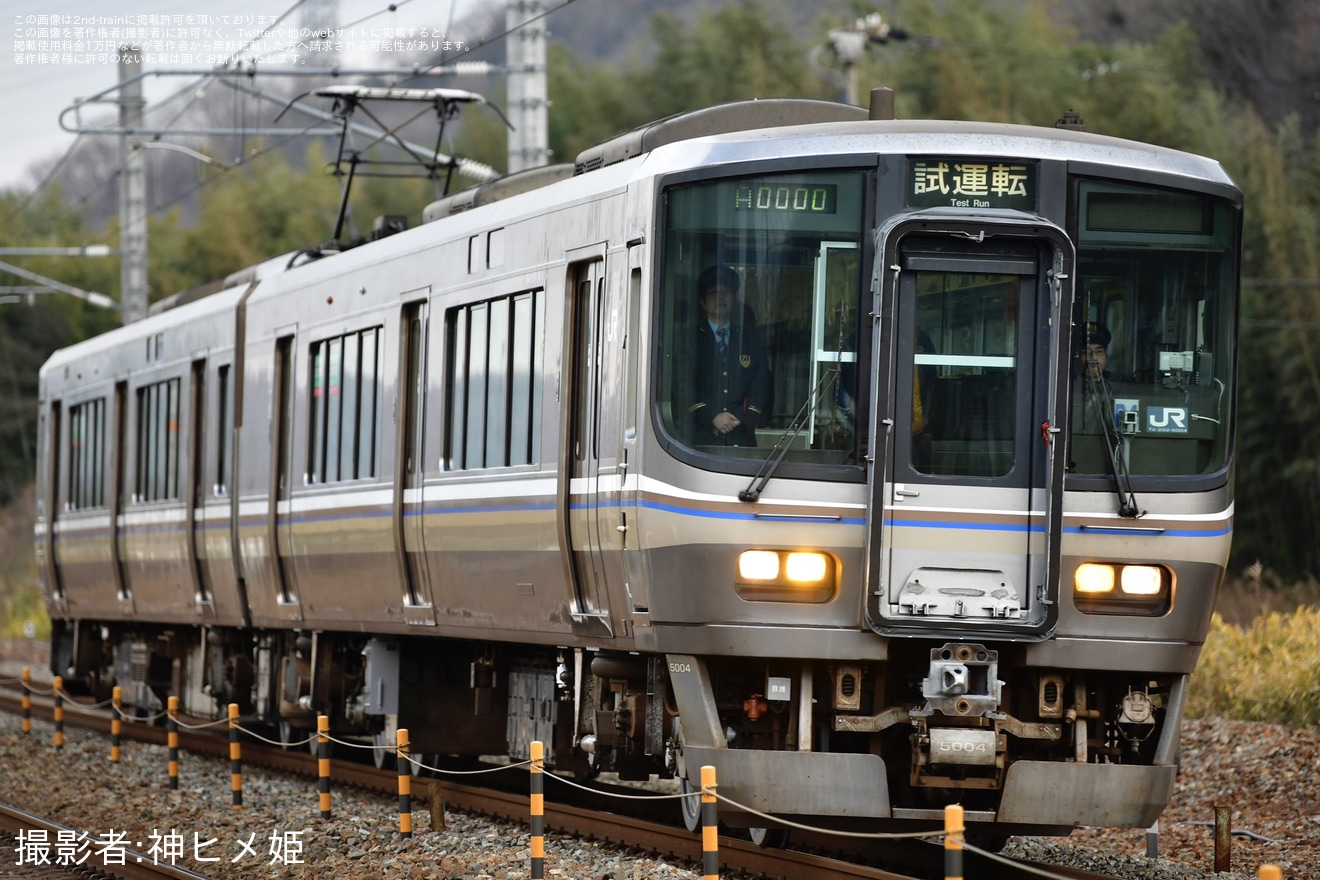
pixel 947 525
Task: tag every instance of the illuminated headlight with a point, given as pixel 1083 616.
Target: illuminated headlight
pixel 1114 588
pixel 806 568
pixel 1093 578
pixel 807 576
pixel 1142 580
pixel 758 565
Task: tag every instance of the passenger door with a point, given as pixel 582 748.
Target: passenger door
pixel 409 503
pixel 280 511
pixel 195 490
pixel 583 515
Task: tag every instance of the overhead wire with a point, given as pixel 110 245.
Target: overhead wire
pixel 508 31
pixel 283 15
pixel 82 199
pixel 45 182
pixel 196 85
pixel 193 88
pixel 237 163
pixel 393 7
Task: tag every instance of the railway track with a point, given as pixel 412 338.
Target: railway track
pixel 645 824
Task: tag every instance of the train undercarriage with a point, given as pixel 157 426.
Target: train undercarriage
pixel 847 743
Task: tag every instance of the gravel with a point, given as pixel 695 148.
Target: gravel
pixel 1266 773
pixel 1269 777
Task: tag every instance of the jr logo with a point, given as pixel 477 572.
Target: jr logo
pixel 1166 419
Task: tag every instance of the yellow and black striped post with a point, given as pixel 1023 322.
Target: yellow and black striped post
pixel 59 711
pixel 172 739
pixel 710 825
pixel 405 784
pixel 235 758
pixel 323 761
pixel 27 700
pixel 116 724
pixel 953 842
pixel 538 810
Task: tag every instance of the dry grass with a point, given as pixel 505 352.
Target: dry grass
pixel 1259 591
pixel 1261 660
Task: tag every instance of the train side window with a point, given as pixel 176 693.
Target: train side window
pixel 497 385
pixel 478 376
pixel 495 248
pixel 494 382
pixel 344 410
pixel 158 441
pixel 334 399
pixel 223 430
pixel 368 405
pixel 525 393
pixel 349 395
pixel 87 455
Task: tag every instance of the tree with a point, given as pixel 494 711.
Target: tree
pixel 1279 387
pixel 30 333
pixel 739 51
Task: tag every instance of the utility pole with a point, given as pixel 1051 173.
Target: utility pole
pixel 529 142
pixel 132 190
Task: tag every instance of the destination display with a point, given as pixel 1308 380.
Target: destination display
pixel 818 200
pixel 1177 213
pixel 801 198
pixel 949 182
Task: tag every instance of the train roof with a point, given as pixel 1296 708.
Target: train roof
pixel 746 131
pixel 939 138
pixel 216 307
pixel 738 116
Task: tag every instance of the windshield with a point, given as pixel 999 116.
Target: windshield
pixel 762 280
pixel 1152 332
pixel 965 375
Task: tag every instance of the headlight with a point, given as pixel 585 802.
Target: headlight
pixel 1093 578
pixel 809 576
pixel 806 568
pixel 758 565
pixel 1142 580
pixel 1117 588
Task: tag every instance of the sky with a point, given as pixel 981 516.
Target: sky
pixel 38 81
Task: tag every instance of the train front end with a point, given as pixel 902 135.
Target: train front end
pixel 938 497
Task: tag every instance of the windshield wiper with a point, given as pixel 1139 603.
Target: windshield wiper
pixel 1104 402
pixel 780 449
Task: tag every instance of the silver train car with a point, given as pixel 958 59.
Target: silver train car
pixel 946 523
